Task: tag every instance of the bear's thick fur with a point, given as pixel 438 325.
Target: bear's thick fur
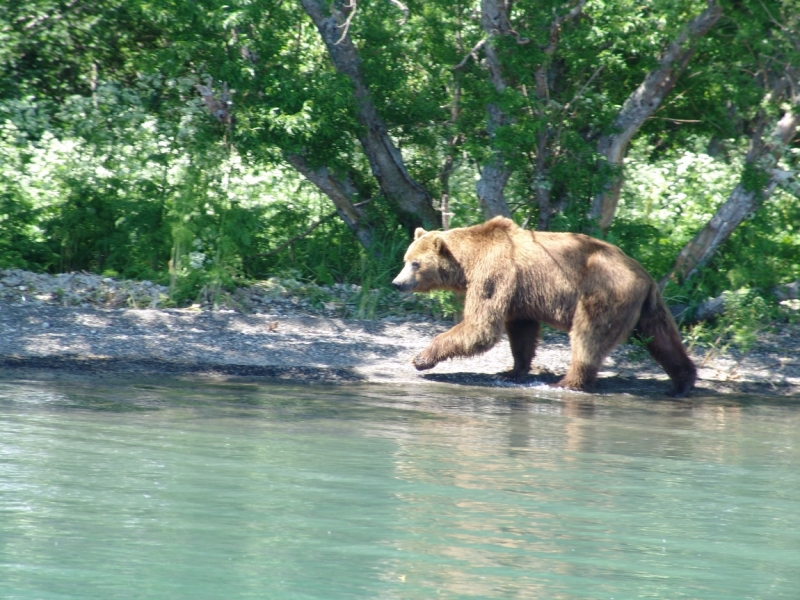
pixel 517 279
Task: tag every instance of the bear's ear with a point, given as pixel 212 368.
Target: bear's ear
pixel 438 245
pixel 419 232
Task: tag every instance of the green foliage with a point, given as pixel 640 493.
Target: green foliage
pixel 331 255
pixel 110 162
pixel 450 305
pixel 18 248
pixel 762 253
pixel 747 313
pixel 754 178
pixel 666 200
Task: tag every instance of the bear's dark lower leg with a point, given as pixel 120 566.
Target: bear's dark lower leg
pixel 671 355
pixel 522 336
pixel 666 347
pixel 657 327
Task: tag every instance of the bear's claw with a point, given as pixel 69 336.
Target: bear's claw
pixel 422 363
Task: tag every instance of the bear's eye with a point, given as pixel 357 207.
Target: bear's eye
pixel 415 265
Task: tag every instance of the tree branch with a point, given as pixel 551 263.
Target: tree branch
pixel 744 200
pixel 346 25
pixel 472 53
pixel 308 231
pixel 642 103
pixel 411 201
pixel 340 191
pixel 402 7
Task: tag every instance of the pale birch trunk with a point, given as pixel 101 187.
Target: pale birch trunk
pixel 744 200
pixel 449 161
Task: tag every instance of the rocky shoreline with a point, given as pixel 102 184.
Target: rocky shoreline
pixel 117 328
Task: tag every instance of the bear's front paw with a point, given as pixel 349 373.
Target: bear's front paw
pixel 422 362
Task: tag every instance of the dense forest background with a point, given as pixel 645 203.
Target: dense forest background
pixel 209 143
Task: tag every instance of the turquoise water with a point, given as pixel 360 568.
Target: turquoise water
pixel 118 490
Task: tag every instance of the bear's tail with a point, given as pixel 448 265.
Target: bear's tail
pixel 657 329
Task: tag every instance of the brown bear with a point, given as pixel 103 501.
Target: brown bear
pixel 518 279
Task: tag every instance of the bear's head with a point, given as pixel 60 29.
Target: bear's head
pixel 429 265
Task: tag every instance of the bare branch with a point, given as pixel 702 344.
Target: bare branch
pixel 472 53
pixel 586 85
pixel 402 7
pixel 346 25
pixel 520 40
pixel 771 18
pixel 671 120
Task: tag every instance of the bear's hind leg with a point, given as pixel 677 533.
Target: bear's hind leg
pixel 592 340
pixel 522 336
pixel 665 346
pixel 672 357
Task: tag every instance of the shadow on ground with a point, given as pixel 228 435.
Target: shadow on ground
pixel 145 367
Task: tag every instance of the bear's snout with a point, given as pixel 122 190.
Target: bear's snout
pixel 402 286
pixel 405 280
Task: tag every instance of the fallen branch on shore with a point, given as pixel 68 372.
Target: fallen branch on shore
pixel 715 307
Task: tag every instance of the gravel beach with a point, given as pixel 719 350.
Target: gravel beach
pixel 59 341
pixel 83 324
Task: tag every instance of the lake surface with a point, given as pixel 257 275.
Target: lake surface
pixel 174 490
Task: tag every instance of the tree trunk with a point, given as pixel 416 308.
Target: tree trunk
pixel 494 173
pixel 411 201
pixel 641 105
pixel 340 191
pixel 541 184
pixel 744 200
pixel 449 161
pixel 543 138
